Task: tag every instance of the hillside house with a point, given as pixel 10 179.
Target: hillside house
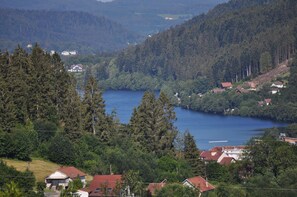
pixel 216 156
pixel 274 90
pixel 226 85
pixel 199 183
pixel 268 101
pixel 241 90
pixel 290 140
pixel 76 68
pixel 251 85
pixel 224 155
pixel 105 185
pixel 63 176
pixel 277 84
pixel 217 90
pixel 236 152
pixel 153 187
pixel 69 53
pixel 227 161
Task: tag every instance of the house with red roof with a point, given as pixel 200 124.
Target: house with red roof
pixel 268 101
pixel 199 183
pixel 227 161
pixel 236 152
pixel 153 187
pixel 105 185
pixel 290 140
pixel 63 176
pixel 209 156
pixel 226 85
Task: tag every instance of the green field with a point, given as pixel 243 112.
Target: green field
pixel 40 168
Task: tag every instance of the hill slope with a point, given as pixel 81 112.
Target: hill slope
pixel 40 168
pixel 145 18
pixel 62 31
pixel 239 39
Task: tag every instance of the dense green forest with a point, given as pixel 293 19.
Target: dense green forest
pixel 43 116
pixel 59 31
pixel 232 42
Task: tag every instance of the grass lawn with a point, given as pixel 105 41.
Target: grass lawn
pixel 39 167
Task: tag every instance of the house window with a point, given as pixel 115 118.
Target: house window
pixel 97 190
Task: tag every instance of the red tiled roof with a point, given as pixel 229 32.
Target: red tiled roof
pixel 211 155
pixel 200 183
pixel 227 160
pixel 71 171
pixel 152 187
pixel 106 181
pixel 217 149
pixel 290 139
pixel 226 84
pixel 268 100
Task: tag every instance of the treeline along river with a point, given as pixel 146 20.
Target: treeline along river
pixel 209 130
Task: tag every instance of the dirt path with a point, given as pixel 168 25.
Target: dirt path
pixel 272 75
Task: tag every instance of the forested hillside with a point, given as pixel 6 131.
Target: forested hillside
pixel 236 40
pixel 43 116
pixel 147 17
pixel 60 31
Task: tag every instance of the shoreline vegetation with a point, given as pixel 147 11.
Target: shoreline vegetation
pixel 199 95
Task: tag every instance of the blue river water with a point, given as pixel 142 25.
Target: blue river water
pixel 208 130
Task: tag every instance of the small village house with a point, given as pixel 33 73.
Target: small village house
pixel 226 85
pixel 154 187
pixel 241 90
pixel 290 140
pixel 224 155
pixel 274 90
pixel 277 84
pixel 63 176
pixel 76 68
pixel 236 152
pixel 268 101
pixel 217 90
pixel 251 85
pixel 199 183
pixel 69 53
pixel 105 185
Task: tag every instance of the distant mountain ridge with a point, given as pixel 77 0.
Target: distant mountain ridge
pixel 235 40
pixel 143 17
pixel 60 31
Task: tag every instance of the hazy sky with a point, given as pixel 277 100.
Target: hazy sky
pixel 105 0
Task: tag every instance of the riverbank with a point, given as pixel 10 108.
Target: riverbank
pixel 205 127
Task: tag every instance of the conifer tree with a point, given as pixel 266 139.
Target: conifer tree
pixel 72 115
pixel 142 122
pixel 95 120
pixel 169 131
pixel 18 77
pixel 151 123
pixel 292 83
pixel 192 155
pixel 62 87
pixel 43 86
pixel 7 106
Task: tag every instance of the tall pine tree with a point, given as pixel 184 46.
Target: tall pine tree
pixel 151 123
pixel 18 76
pixel 7 107
pixel 192 155
pixel 93 107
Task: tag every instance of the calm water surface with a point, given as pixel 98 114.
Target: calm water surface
pixel 206 128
